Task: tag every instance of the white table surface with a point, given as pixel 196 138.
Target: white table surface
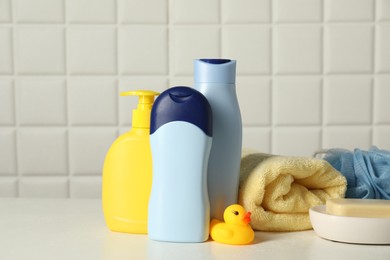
pixel 75 229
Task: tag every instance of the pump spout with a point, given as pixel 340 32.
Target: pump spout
pixel 141 115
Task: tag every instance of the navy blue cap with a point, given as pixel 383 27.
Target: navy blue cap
pixel 182 104
pixel 216 61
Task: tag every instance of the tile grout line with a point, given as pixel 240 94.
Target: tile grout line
pixel 322 115
pixel 221 27
pixel 117 74
pixel 170 32
pixel 271 64
pixel 67 76
pixel 15 99
pixel 373 78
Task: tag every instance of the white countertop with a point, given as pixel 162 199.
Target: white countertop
pixel 75 229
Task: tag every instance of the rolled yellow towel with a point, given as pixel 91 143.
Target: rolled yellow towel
pixel 280 190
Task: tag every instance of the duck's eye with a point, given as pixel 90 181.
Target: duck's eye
pixel 235 212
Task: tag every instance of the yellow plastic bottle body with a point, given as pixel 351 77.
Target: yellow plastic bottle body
pixel 127 182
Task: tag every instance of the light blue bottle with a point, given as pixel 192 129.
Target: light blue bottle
pixel 216 78
pixel 180 138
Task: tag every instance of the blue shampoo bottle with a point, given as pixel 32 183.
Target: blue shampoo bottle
pixel 180 138
pixel 215 79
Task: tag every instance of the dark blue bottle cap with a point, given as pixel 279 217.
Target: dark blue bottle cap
pixel 216 61
pixel 182 104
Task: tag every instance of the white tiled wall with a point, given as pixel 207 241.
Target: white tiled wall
pixel 311 74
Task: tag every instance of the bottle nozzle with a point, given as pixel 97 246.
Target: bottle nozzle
pixel 145 96
pixel 141 115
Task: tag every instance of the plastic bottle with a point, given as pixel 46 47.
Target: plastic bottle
pixel 215 78
pixel 180 138
pixel 127 172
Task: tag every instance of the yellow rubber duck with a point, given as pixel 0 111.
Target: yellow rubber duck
pixel 236 229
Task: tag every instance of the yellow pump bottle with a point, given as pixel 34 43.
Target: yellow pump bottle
pixel 127 172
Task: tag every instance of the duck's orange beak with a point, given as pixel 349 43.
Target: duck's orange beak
pixel 247 218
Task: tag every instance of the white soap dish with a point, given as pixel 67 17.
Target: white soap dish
pixel 358 230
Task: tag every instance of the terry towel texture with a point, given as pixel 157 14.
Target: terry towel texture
pixel 280 190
